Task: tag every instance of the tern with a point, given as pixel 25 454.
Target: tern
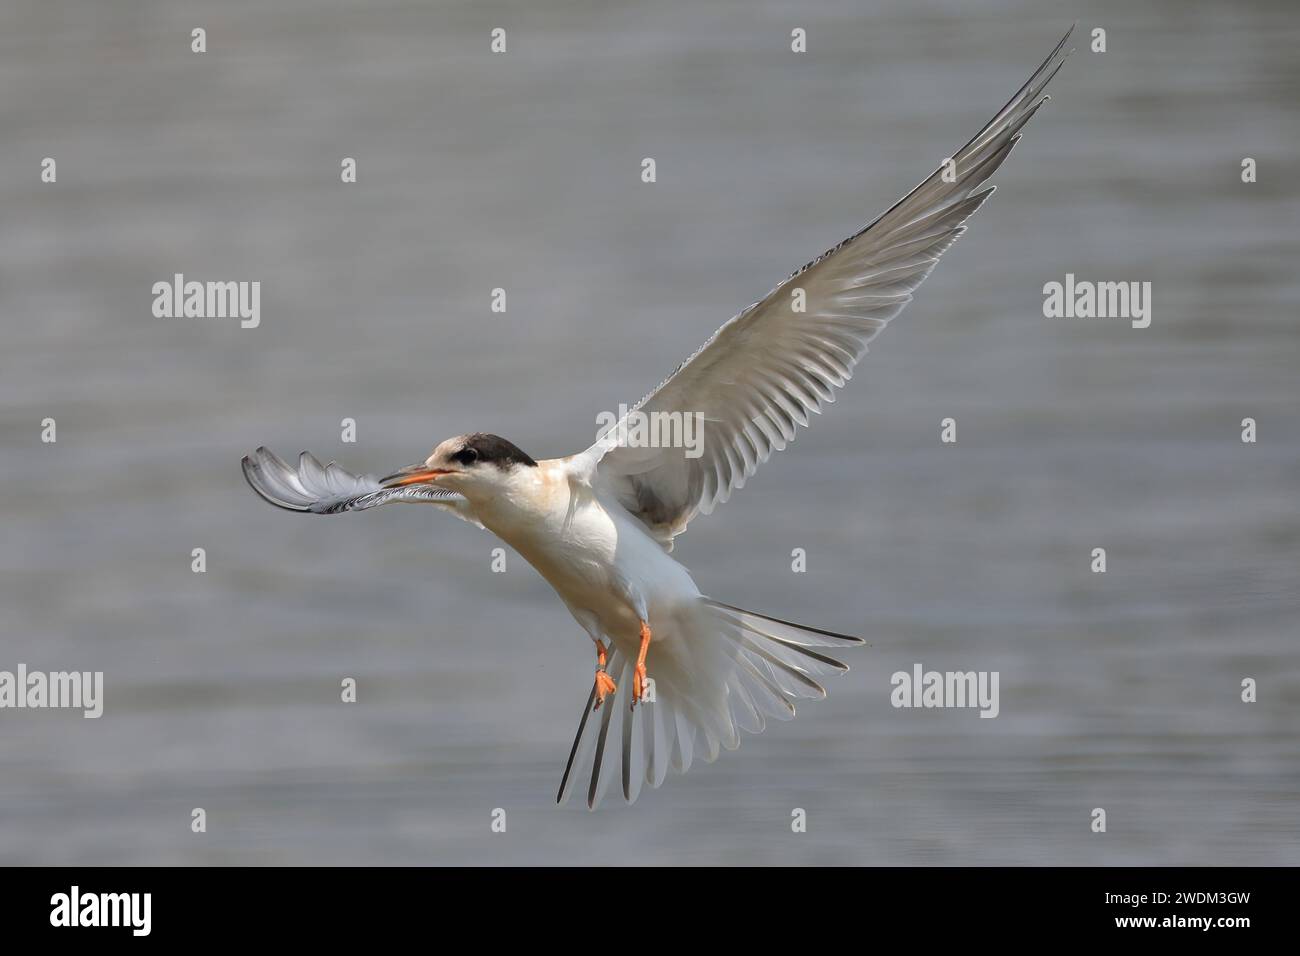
pixel 599 525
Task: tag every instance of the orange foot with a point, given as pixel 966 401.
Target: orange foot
pixel 604 687
pixel 639 675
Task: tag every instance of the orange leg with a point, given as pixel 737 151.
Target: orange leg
pixel 604 683
pixel 639 676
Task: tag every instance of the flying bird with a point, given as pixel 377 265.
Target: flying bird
pixel 599 525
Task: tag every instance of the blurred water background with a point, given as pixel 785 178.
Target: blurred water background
pixel 1118 690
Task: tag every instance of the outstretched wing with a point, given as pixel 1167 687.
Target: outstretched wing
pixel 765 371
pixel 329 489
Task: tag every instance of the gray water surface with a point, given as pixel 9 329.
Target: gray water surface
pixel 1118 690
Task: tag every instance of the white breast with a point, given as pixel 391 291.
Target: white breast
pixel 596 556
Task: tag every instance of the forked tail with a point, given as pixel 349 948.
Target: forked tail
pixel 721 670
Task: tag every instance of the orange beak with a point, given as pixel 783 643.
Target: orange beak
pixel 413 474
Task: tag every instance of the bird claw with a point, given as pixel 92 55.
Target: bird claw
pixel 604 687
pixel 638 685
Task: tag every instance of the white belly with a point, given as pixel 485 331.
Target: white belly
pixel 601 561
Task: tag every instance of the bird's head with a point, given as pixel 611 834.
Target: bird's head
pixel 477 464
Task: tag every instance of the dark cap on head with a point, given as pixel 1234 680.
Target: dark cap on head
pixel 493 450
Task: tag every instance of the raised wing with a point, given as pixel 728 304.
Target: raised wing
pixel 765 371
pixel 329 489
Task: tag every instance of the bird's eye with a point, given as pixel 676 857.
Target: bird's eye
pixel 466 456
